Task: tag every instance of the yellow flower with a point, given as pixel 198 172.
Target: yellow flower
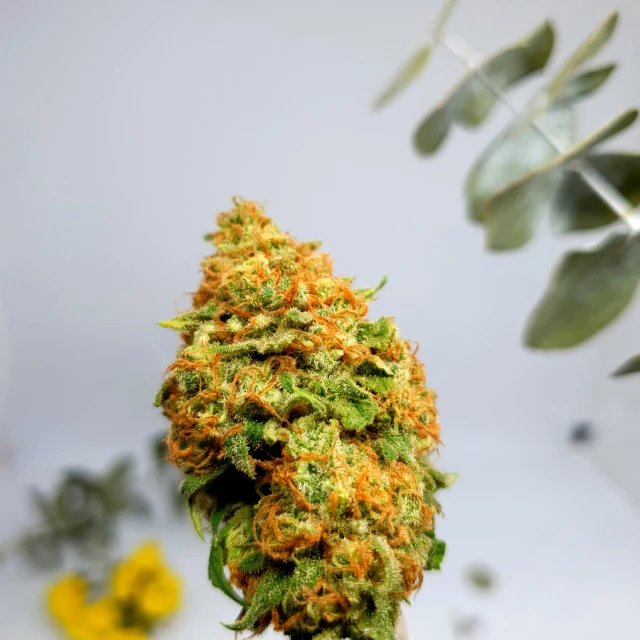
pixel 132 572
pixel 147 556
pixel 123 581
pixel 142 586
pixel 102 615
pixel 65 597
pixel 160 596
pixel 93 621
pixel 143 580
pixel 77 629
pixel 66 601
pixel 127 634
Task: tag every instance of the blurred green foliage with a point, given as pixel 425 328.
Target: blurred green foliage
pixel 80 514
pixel 538 163
pixel 481 578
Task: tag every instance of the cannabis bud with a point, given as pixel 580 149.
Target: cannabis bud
pixel 305 432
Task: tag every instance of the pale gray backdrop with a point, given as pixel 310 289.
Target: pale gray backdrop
pixel 125 126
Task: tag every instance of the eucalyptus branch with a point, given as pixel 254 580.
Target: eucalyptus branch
pixel 600 185
pixel 614 199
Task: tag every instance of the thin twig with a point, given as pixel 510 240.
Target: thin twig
pixel 600 185
pixel 611 196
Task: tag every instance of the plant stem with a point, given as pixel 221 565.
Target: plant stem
pixel 611 196
pixel 615 200
pixel 441 19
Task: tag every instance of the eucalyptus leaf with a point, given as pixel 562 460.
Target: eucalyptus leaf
pixel 589 48
pixel 416 64
pixel 543 131
pixel 576 206
pixel 473 98
pixel 584 84
pixel 442 18
pixel 632 365
pixel 609 130
pixel 513 214
pixel 435 127
pixel 405 76
pixel 510 216
pixel 589 289
pixel 528 143
pixel 519 150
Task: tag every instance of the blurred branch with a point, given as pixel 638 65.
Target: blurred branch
pixel 79 514
pixel 414 66
pixel 609 194
pixel 616 201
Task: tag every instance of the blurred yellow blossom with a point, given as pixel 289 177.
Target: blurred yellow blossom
pixel 129 633
pixel 145 580
pixel 142 590
pixel 102 615
pixel 66 597
pixel 161 596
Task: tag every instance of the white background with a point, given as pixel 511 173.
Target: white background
pixel 125 126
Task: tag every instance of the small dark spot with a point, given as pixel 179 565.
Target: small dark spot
pixel 466 626
pixel 582 433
